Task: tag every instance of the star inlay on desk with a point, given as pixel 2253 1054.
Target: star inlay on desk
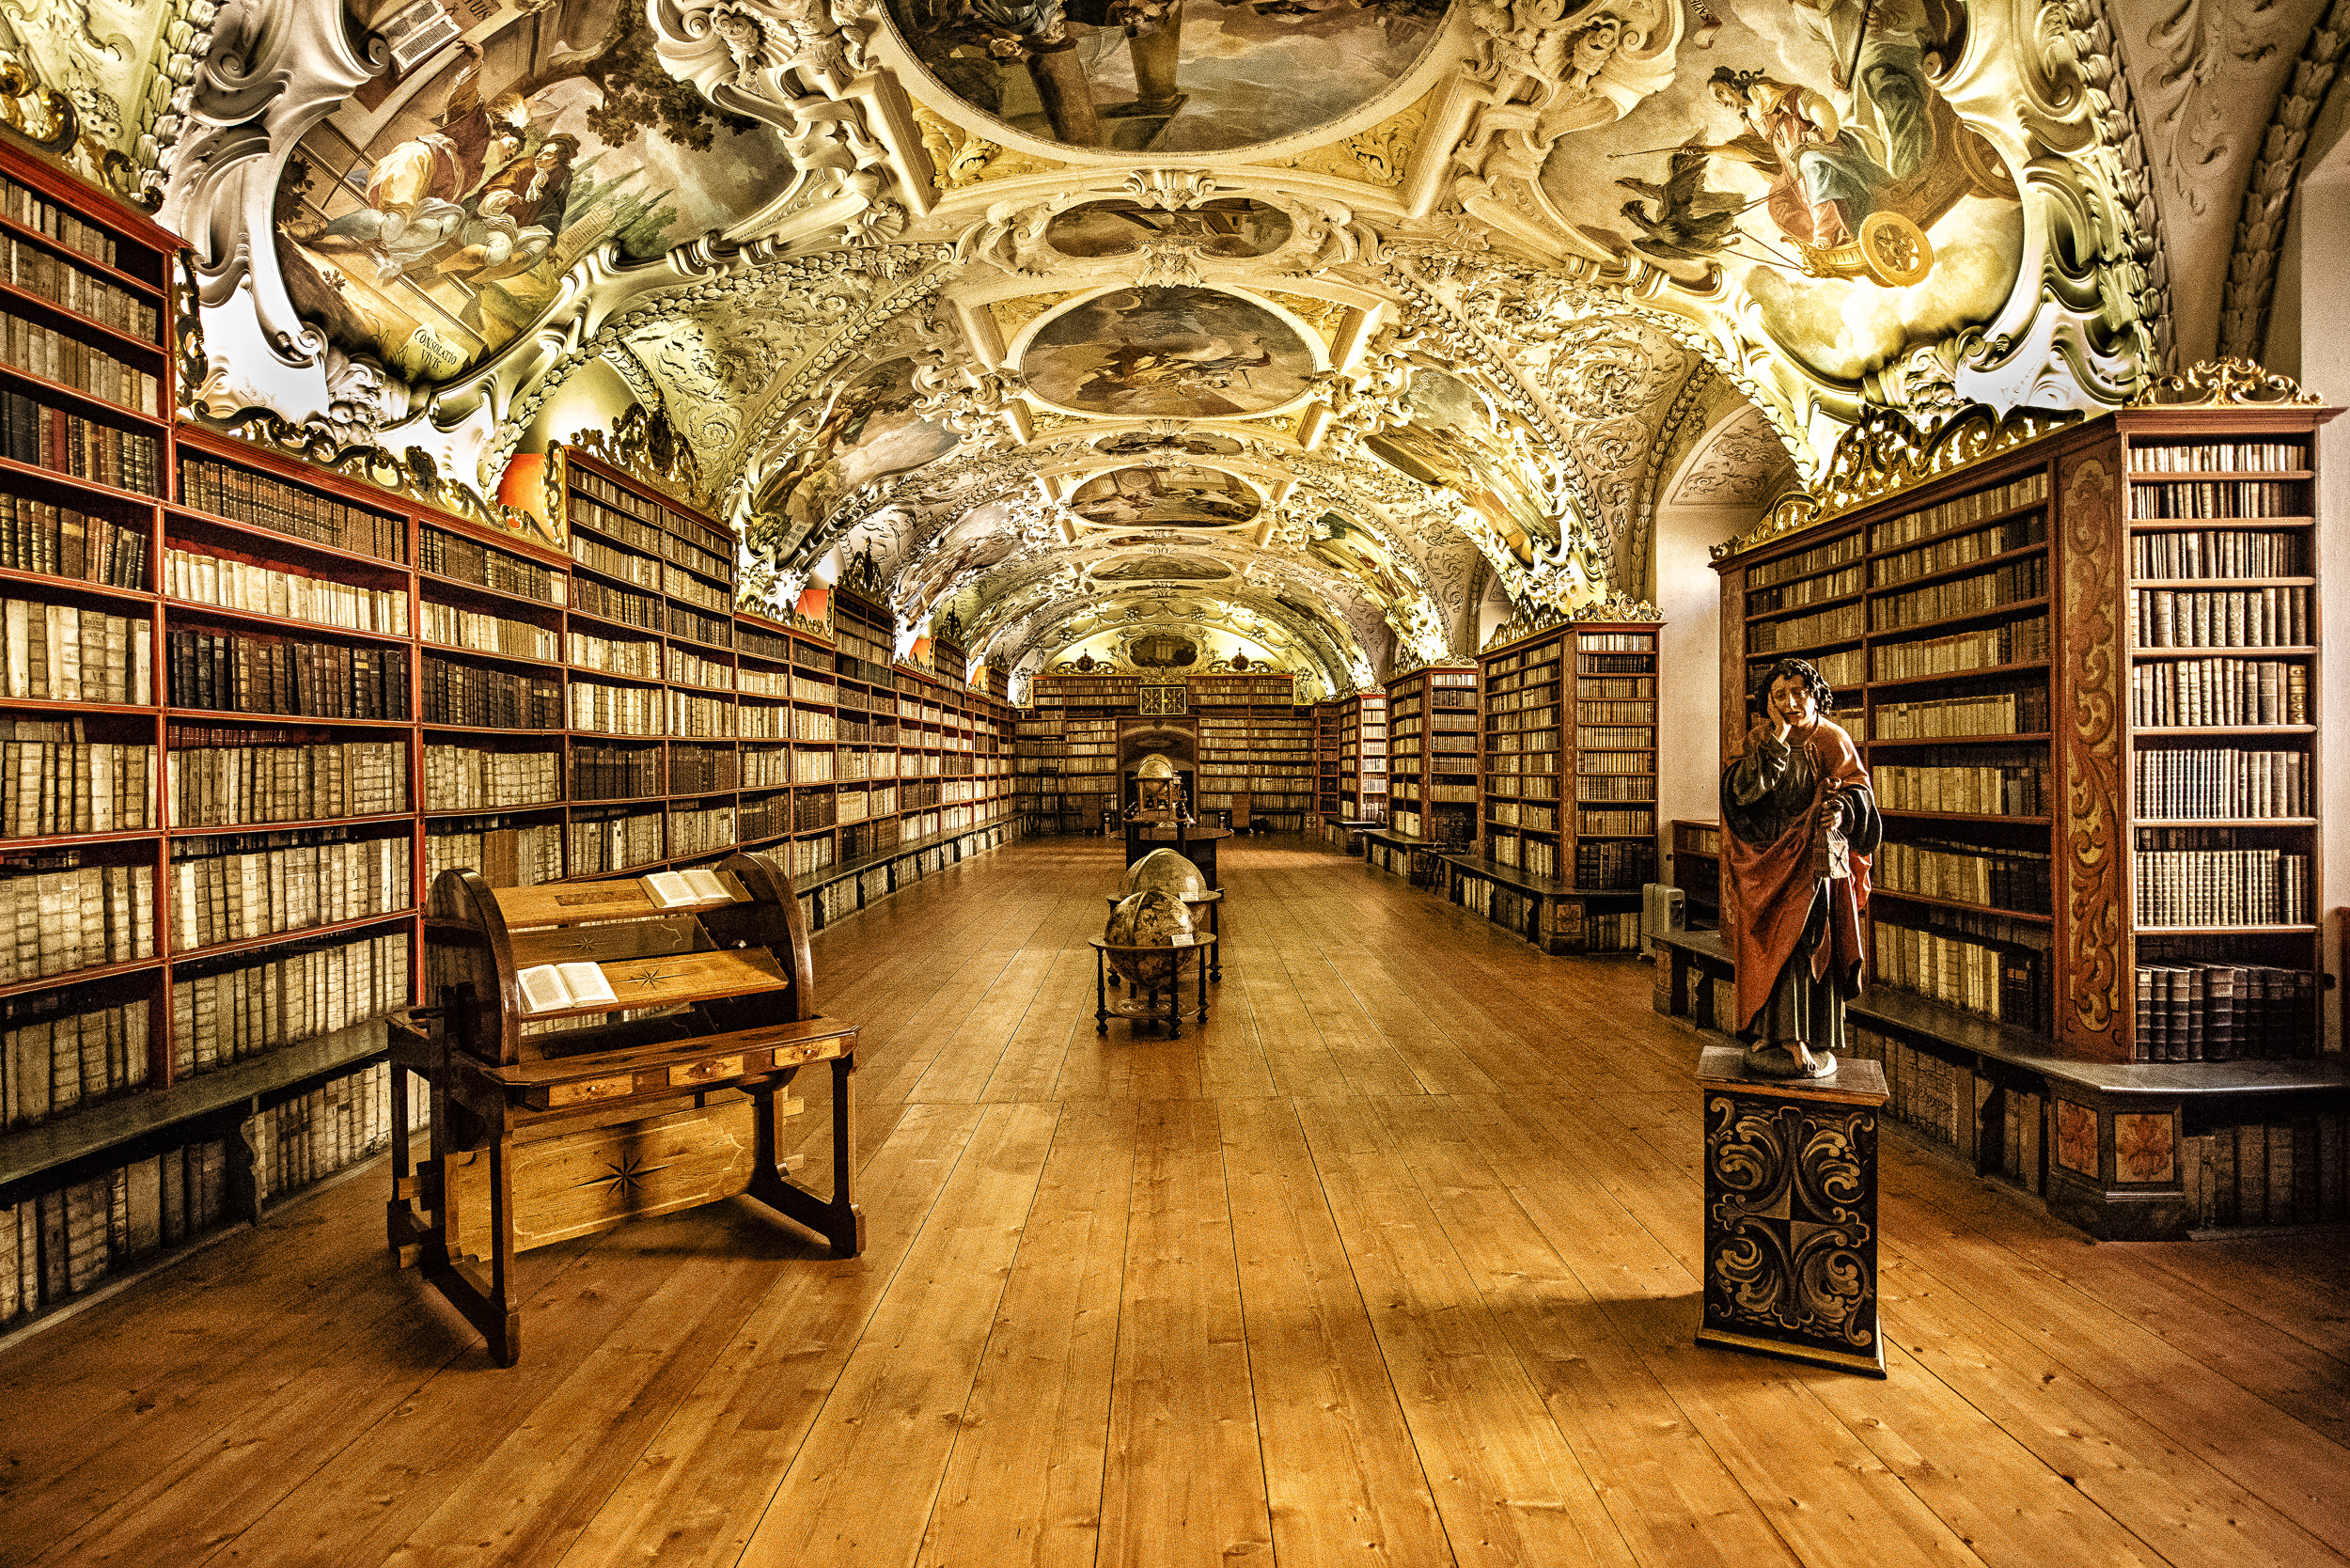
pixel 650 976
pixel 624 1175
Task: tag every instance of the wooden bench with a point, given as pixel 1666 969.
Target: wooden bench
pixel 1553 918
pixel 1421 858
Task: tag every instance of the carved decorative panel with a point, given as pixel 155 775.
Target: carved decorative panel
pixel 1791 1235
pixel 2088 710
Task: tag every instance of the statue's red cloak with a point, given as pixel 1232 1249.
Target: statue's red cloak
pixel 1767 890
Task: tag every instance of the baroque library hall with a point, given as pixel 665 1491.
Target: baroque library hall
pixel 618 612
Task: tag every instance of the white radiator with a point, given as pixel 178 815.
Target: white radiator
pixel 1663 910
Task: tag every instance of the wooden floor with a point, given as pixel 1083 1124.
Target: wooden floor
pixel 1393 1263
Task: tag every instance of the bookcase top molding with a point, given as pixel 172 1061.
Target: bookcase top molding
pixel 2228 382
pixel 1532 620
pixel 644 447
pixel 1887 452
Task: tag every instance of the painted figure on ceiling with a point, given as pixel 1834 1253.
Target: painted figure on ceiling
pixel 514 217
pixel 1824 178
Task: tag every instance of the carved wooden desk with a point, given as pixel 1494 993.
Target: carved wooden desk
pixel 668 1098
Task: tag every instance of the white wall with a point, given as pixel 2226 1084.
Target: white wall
pixel 2310 339
pixel 1688 742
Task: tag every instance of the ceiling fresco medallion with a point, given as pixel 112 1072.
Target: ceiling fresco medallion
pixel 429 236
pixel 1163 569
pixel 1233 229
pixel 1166 498
pixel 1192 352
pixel 1167 75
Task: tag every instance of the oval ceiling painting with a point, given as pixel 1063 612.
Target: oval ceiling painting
pixel 1128 442
pixel 1165 498
pixel 1191 353
pixel 1162 569
pixel 1233 229
pixel 1159 76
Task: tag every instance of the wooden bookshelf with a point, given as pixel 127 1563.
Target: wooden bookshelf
pixel 1569 740
pixel 1697 870
pixel 1328 723
pixel 1256 750
pixel 2085 675
pixel 430 677
pixel 1434 761
pixel 1363 756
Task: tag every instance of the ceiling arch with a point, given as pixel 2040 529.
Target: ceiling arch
pixel 1352 312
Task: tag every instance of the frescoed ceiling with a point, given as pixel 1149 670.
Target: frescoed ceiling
pixel 1303 329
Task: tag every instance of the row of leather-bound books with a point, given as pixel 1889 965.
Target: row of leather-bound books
pixel 236 672
pixel 2224 1011
pixel 43 350
pixel 198 579
pixel 54 781
pixel 478 699
pixel 57 1054
pixel 40 436
pixel 227 777
pixel 293 995
pixel 508 853
pixel 61 542
pixel 226 489
pixel 63 1242
pixel 89 917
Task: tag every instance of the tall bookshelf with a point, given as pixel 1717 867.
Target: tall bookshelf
pixel 1569 765
pixel 1256 749
pixel 2085 675
pixel 290 699
pixel 1434 754
pixel 1363 756
pixel 1068 748
pixel 1328 721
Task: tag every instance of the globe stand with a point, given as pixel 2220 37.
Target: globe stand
pixel 1145 1006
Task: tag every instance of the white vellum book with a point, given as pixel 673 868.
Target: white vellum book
pixel 693 890
pixel 554 987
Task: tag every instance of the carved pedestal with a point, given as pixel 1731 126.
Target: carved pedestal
pixel 1791 1213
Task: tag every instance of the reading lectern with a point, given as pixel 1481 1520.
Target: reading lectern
pixel 558 1110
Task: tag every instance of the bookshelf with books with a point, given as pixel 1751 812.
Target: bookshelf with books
pixel 1363 756
pixel 183 835
pixel 1067 750
pixel 1256 750
pixel 1327 723
pixel 2087 680
pixel 1568 738
pixel 1434 763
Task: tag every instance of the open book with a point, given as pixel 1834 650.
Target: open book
pixel 693 890
pixel 554 987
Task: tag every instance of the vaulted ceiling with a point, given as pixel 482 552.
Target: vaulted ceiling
pixel 1308 330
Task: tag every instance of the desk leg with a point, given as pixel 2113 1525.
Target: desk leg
pixel 1100 991
pixel 1204 987
pixel 403 1232
pixel 1216 953
pixel 838 1219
